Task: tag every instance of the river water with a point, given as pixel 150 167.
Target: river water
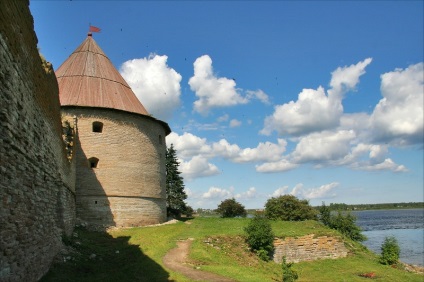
pixel 407 226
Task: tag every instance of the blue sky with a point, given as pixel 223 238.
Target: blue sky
pixel 322 100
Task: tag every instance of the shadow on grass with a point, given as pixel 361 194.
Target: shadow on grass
pixel 97 256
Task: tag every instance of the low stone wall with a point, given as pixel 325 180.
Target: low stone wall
pixel 308 248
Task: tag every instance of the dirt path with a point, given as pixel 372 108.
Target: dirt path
pixel 176 258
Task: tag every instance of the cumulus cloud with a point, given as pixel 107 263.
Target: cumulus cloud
pixel 258 94
pixel 323 191
pixel 249 194
pixel 189 145
pixel 263 152
pixel 315 110
pixel 276 166
pixel 235 123
pixel 398 117
pixel 223 118
pixel 323 146
pixel 213 91
pixel 155 84
pixel 279 192
pixel 346 78
pixel 387 164
pixel 217 193
pixel 197 167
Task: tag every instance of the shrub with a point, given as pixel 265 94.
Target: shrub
pixel 289 275
pixel 231 208
pixel 346 224
pixel 325 214
pixel 260 237
pixel 289 208
pixel 390 251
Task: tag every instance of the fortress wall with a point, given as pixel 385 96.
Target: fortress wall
pixel 308 248
pixel 127 188
pixel 37 199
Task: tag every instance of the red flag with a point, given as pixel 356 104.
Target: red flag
pixel 94 29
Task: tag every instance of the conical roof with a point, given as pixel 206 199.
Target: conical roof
pixel 88 78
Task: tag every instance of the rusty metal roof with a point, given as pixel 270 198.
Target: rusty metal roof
pixel 88 78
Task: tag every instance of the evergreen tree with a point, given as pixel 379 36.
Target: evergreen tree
pixel 175 194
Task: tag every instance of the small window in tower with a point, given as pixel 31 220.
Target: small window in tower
pixel 93 162
pixel 95 202
pixel 160 139
pixel 97 126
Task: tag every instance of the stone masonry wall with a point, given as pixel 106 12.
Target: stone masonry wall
pixel 127 188
pixel 308 248
pixel 37 194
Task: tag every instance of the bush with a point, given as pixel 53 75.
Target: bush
pixel 289 275
pixel 289 208
pixel 325 214
pixel 260 237
pixel 345 224
pixel 188 211
pixel 231 208
pixel 390 251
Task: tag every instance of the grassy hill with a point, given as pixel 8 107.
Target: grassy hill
pixel 136 254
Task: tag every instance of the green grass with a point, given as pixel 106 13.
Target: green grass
pixel 136 254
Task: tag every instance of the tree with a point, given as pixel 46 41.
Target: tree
pixel 325 214
pixel 231 208
pixel 175 194
pixel 260 236
pixel 390 251
pixel 289 208
pixel 345 223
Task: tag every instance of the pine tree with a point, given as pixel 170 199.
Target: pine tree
pixel 175 194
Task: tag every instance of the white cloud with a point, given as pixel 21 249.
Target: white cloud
pixel 323 146
pixel 280 191
pixel 155 84
pixel 235 123
pixel 223 118
pixel 372 157
pixel 315 110
pixel 323 191
pixel 258 94
pixel 249 194
pixel 263 152
pixel 188 145
pixel 277 166
pixel 346 78
pixel 398 117
pixel 197 167
pixel 218 193
pixel 212 91
pixel 387 164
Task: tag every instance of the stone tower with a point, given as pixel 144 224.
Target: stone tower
pixel 120 149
